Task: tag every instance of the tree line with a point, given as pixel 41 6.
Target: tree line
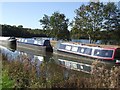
pixel 19 31
pixel 93 21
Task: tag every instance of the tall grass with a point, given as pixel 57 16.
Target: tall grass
pixel 25 75
pixel 104 77
pixel 6 81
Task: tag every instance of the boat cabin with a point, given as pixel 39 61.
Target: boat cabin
pixel 32 43
pixel 98 52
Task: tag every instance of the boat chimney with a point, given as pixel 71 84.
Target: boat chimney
pixel 98 46
pixel 82 44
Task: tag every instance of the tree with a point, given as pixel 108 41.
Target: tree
pixel 109 16
pixel 112 19
pixel 20 26
pixel 45 21
pixel 89 19
pixel 58 24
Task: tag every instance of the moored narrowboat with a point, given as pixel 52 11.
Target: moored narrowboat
pixel 107 53
pixel 33 44
pixel 8 42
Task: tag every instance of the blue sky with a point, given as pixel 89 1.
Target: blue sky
pixel 28 14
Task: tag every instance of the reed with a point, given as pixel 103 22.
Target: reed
pixel 26 75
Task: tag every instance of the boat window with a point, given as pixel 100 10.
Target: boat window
pixel 103 53
pixel 97 52
pixel 30 41
pixel 117 54
pixel 107 53
pixel 62 46
pixel 88 51
pixel 81 49
pixel 74 49
pixel 68 48
pixel 78 66
pixel 85 50
pixel 26 40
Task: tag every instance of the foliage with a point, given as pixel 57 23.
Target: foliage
pixel 88 19
pixel 104 76
pixel 58 24
pixel 6 81
pixel 8 30
pixel 111 17
pixel 93 18
pixel 25 75
pixel 112 20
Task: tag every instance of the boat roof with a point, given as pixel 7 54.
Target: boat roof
pixel 104 46
pixel 94 45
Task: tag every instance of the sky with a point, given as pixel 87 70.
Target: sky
pixel 29 13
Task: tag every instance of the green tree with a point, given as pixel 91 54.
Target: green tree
pixel 109 16
pixel 89 19
pixel 20 26
pixel 58 24
pixel 45 21
pixel 112 18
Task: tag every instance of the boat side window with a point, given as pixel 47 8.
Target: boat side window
pixel 81 50
pixel 68 47
pixel 103 53
pixel 117 54
pixel 84 50
pixel 74 49
pixel 88 51
pixel 30 41
pixel 78 66
pixel 62 46
pixel 107 53
pixel 97 52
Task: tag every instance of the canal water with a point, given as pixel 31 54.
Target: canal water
pixel 44 69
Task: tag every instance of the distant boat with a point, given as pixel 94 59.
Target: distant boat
pixel 8 39
pixel 32 43
pixel 8 42
pixel 102 52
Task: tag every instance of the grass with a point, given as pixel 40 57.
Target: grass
pixel 6 81
pixel 24 75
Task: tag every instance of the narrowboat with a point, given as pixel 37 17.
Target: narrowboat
pixel 8 42
pixel 101 52
pixel 33 44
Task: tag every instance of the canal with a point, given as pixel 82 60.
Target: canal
pixel 34 69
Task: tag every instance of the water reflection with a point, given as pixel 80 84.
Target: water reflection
pixel 47 67
pixel 38 58
pixel 73 65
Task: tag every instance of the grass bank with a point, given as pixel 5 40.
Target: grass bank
pixel 24 75
pixel 6 81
